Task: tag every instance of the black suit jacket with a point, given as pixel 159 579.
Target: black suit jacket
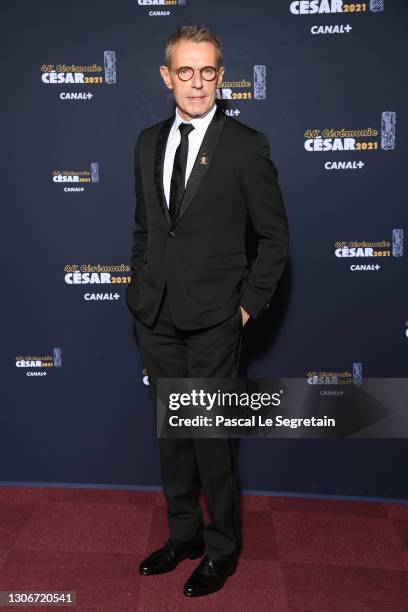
pixel 202 256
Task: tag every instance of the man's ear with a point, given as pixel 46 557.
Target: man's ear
pixel 164 71
pixel 220 75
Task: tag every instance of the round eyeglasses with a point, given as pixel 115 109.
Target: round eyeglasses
pixel 185 73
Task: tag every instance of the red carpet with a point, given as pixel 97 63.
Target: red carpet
pixel 300 555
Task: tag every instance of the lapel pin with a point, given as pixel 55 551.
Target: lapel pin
pixel 204 160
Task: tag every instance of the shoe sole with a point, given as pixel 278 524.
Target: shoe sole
pixel 191 556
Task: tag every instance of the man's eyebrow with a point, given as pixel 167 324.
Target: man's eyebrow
pixel 205 66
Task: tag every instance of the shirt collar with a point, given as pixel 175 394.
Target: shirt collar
pixel 199 123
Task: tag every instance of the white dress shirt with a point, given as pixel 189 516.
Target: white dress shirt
pixel 195 139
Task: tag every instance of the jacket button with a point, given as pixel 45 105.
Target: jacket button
pixel 171 234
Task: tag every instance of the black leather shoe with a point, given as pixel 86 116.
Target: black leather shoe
pixel 209 576
pixel 167 558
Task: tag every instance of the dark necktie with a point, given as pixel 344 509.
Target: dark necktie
pixel 178 176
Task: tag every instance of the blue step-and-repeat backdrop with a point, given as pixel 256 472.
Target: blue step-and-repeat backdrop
pixel 326 81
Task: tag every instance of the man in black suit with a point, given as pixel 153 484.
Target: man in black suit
pixel 201 179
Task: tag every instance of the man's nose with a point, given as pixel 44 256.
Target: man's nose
pixel 197 80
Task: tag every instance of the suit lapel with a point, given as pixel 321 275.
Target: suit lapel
pixel 200 167
pixel 159 163
pixel 203 160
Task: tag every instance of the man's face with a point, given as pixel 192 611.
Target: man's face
pixel 196 96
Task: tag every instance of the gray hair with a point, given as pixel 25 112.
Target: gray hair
pixel 195 34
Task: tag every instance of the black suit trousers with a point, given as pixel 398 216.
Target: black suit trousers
pixel 191 464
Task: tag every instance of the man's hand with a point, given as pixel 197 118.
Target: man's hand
pixel 245 316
